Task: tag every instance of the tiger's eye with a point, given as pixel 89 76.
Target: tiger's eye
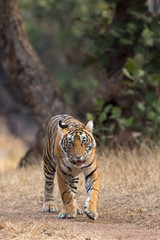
pixel 69 139
pixel 88 148
pixel 66 149
pixel 84 139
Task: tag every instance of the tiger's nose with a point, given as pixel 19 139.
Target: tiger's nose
pixel 78 157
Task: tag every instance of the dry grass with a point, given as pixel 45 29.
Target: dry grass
pixel 130 190
pixel 131 170
pixel 11 149
pixel 131 185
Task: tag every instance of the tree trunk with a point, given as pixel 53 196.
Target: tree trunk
pixel 154 6
pixel 27 72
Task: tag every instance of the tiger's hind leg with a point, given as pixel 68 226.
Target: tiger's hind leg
pixel 49 173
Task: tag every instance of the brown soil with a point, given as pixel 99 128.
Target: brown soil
pixel 129 205
pixel 35 225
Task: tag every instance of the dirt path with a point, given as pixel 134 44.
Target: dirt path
pixel 129 204
pixel 27 224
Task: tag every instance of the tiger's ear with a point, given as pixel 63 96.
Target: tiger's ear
pixel 62 125
pixel 89 126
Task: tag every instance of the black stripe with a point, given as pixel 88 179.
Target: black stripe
pixel 49 164
pixel 95 190
pixel 75 178
pixel 49 190
pixel 49 178
pixel 55 118
pixel 66 119
pixel 65 172
pixel 73 187
pixel 47 170
pixel 53 161
pixel 89 164
pixel 74 182
pixel 45 159
pixel 64 116
pixel 48 152
pixel 49 183
pixel 67 191
pixel 62 179
pixel 73 191
pixel 94 181
pixel 68 201
pixel 49 199
pixel 52 125
pixel 88 188
pixel 90 174
pixel 66 166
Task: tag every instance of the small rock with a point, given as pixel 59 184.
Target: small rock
pixel 2 224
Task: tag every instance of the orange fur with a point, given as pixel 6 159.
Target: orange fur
pixel 70 149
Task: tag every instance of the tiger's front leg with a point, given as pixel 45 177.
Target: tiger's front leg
pixel 69 204
pixel 92 188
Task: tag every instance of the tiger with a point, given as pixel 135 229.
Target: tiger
pixel 70 149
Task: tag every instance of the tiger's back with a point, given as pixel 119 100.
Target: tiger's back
pixel 70 149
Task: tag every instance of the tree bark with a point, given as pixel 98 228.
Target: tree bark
pixel 26 71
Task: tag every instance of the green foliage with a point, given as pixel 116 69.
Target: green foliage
pixel 140 35
pixel 57 30
pixel 76 38
pixel 143 74
pixel 107 119
pixel 146 111
pixel 76 86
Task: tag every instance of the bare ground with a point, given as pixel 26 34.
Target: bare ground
pixel 129 204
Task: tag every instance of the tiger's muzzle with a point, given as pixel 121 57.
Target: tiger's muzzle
pixel 78 159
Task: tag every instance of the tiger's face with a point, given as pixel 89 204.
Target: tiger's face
pixel 77 142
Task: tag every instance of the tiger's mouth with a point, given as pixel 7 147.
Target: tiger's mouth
pixel 79 162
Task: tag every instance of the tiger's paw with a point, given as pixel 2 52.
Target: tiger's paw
pixel 66 215
pixel 79 211
pixel 91 214
pixel 49 207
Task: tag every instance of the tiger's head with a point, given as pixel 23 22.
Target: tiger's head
pixel 77 142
